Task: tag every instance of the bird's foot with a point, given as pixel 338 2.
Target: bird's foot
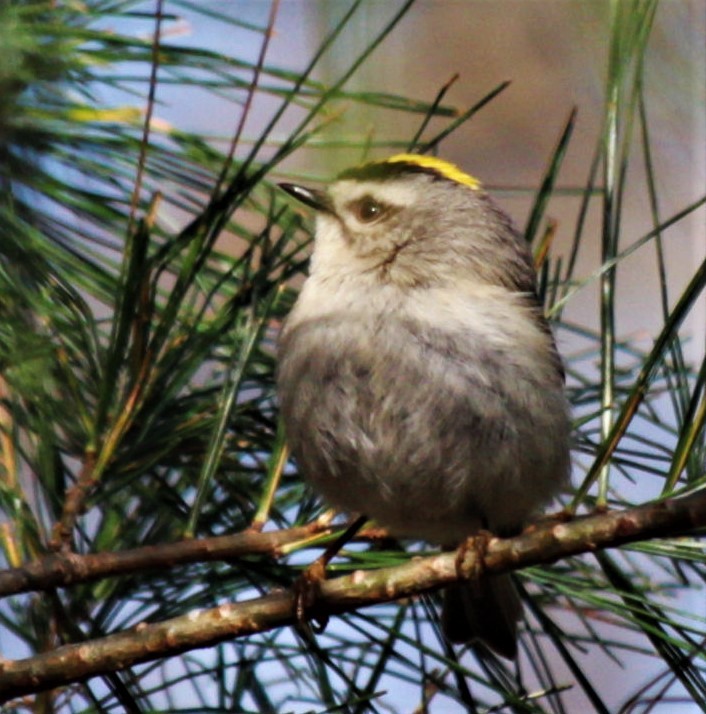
pixel 470 556
pixel 307 588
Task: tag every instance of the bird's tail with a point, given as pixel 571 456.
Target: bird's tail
pixel 487 610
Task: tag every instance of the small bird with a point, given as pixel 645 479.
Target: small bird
pixel 418 379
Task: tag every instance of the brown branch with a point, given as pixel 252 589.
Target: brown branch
pixel 61 569
pixel 73 504
pixel 544 544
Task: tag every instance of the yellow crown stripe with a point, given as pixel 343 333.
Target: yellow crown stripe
pixel 444 168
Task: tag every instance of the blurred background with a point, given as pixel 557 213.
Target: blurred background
pixel 555 55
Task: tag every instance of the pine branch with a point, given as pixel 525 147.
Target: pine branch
pixel 545 543
pixel 66 568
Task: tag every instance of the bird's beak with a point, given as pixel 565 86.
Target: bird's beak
pixel 318 200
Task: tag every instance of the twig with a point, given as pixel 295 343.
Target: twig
pixel 62 569
pixel 73 504
pixel 204 628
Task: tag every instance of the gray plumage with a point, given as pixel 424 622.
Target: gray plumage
pixel 419 382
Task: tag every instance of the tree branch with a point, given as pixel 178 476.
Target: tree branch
pixel 544 544
pixel 62 569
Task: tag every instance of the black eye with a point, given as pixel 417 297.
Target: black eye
pixel 367 209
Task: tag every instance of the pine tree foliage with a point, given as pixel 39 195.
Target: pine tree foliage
pixel 144 273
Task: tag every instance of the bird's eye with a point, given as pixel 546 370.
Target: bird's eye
pixel 367 209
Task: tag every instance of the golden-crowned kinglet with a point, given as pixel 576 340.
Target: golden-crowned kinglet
pixel 419 381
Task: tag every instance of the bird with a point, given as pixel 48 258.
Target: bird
pixel 418 379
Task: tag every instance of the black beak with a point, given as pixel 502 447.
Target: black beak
pixel 318 200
